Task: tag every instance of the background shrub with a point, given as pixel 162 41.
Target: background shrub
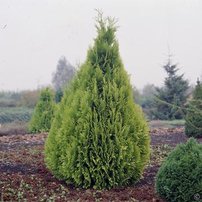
pixel 43 113
pixel 193 124
pixel 179 178
pixel 99 137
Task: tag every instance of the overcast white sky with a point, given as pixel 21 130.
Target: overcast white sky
pixel 34 34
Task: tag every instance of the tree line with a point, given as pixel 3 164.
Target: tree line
pixel 162 103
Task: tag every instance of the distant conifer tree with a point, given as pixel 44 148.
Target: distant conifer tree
pixel 172 96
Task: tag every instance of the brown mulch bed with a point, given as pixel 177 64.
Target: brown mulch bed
pixel 23 174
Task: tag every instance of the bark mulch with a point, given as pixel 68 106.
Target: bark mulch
pixel 24 177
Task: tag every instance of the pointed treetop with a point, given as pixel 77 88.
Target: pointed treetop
pixel 103 23
pixel 170 68
pixel 105 51
pixel 106 28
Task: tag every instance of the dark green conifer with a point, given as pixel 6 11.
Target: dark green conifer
pixel 43 113
pixel 99 137
pixel 193 124
pixel 179 177
pixel 172 96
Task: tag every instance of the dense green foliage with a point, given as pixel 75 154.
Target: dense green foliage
pixel 58 95
pixel 172 96
pixel 197 94
pixel 179 178
pixel 10 114
pixel 193 124
pixel 99 137
pixel 43 113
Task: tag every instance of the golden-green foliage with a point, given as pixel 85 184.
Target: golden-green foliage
pixel 43 113
pixel 99 137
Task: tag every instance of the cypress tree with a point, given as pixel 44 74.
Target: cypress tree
pixel 99 137
pixel 43 112
pixel 193 124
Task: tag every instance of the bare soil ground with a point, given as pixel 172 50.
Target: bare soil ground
pixel 24 176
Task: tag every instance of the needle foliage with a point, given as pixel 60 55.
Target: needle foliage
pixel 180 176
pixel 43 112
pixel 193 123
pixel 99 137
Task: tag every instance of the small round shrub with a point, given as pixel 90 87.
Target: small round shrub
pixel 180 176
pixel 193 124
pixel 43 112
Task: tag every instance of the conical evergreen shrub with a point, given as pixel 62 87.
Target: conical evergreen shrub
pixel 43 112
pixel 193 124
pixel 99 137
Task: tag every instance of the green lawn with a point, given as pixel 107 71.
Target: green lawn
pixel 166 123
